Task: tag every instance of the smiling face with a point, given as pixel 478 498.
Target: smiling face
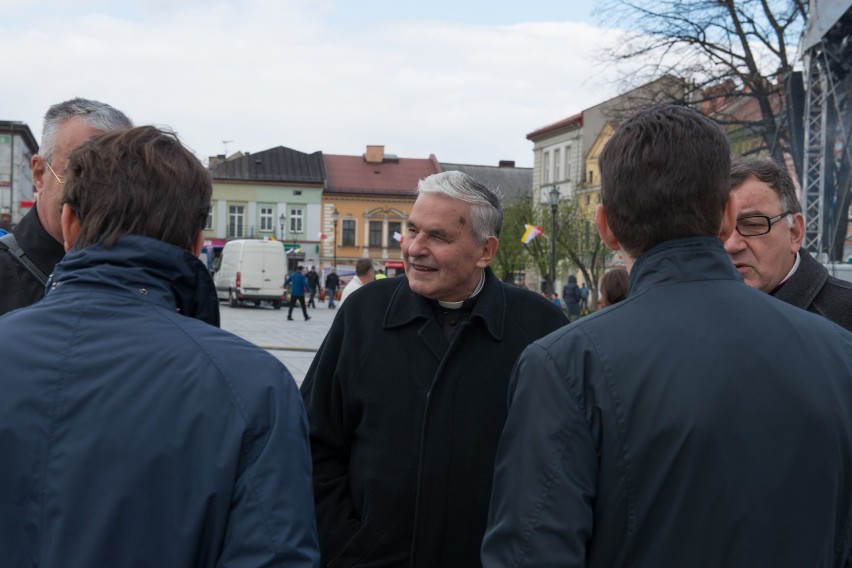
pixel 763 260
pixel 443 261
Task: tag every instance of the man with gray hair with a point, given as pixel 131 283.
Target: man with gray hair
pixel 27 259
pixel 406 397
pixel 767 253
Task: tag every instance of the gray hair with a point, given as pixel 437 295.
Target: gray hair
pixel 773 174
pixel 99 116
pixel 486 209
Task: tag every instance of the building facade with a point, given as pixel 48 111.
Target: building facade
pixel 17 148
pixel 274 194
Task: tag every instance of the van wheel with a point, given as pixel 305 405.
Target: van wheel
pixel 276 304
pixel 232 299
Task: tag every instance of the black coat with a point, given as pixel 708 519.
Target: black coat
pixel 404 425
pixel 699 423
pixel 812 288
pixel 19 288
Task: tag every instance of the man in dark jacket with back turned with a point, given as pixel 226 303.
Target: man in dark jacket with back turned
pixel 134 431
pixel 697 423
pixel 407 396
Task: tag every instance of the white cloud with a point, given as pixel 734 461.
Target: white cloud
pixel 264 73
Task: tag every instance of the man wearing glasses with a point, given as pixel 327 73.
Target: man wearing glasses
pixel 28 259
pixel 765 248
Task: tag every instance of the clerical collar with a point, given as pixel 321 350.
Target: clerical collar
pixel 457 305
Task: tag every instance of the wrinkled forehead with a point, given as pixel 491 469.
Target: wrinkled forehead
pixel 437 210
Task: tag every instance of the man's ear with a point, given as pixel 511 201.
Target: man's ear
pixel 797 231
pixel 37 164
pixel 488 251
pixel 198 244
pixel 602 224
pixel 729 220
pixel 70 227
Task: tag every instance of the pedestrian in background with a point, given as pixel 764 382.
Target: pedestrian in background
pixel 364 274
pixel 135 432
pixel 406 397
pixel 313 285
pixel 332 281
pixel 613 287
pixel 298 284
pixel 697 423
pixel 571 297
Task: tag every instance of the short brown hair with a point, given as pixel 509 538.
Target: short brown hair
pixel 614 286
pixel 140 181
pixel 363 266
pixel 770 172
pixel 664 176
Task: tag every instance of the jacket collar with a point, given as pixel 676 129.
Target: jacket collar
pixel 147 269
pixel 804 284
pixel 682 260
pixel 406 306
pixel 40 247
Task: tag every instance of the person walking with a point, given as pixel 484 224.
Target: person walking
pixel 313 284
pixel 332 281
pixel 298 284
pixel 571 297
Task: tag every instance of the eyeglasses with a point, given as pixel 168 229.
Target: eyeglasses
pixel 756 225
pixel 59 179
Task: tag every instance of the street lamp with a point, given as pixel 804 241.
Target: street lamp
pixel 335 216
pixel 554 203
pixel 281 220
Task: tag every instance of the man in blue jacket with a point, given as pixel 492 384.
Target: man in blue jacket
pixel 133 430
pixel 298 284
pixel 699 422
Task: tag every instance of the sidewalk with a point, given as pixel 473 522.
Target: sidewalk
pixel 294 343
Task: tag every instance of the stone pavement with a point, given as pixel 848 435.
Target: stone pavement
pixel 294 343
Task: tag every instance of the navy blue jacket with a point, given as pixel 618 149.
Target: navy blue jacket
pixel 135 433
pixel 298 283
pixel 699 422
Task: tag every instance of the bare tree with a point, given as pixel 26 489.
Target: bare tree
pixel 735 55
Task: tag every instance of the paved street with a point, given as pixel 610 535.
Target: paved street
pixel 294 343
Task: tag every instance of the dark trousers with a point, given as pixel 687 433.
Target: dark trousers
pixel 311 303
pixel 293 300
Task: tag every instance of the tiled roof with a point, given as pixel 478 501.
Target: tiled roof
pixel 575 120
pixel 512 182
pixel 395 176
pixel 274 165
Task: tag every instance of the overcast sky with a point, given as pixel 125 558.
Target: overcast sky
pixel 464 80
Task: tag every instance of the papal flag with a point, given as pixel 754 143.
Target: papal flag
pixel 532 231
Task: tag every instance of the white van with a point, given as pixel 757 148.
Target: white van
pixel 252 270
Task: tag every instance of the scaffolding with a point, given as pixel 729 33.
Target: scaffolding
pixel 827 156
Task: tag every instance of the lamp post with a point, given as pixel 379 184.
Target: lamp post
pixel 554 203
pixel 335 216
pixel 281 219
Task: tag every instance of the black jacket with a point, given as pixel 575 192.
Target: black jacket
pixel 812 288
pixel 697 423
pixel 19 288
pixel 404 425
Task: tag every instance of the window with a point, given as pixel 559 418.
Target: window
pixel 266 218
pixel 568 162
pixel 557 163
pixel 348 232
pixel 591 177
pixel 546 164
pixel 394 227
pixel 209 224
pixel 295 220
pixel 375 233
pixel 236 215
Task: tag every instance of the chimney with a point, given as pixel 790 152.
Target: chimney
pixel 375 154
pixel 506 164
